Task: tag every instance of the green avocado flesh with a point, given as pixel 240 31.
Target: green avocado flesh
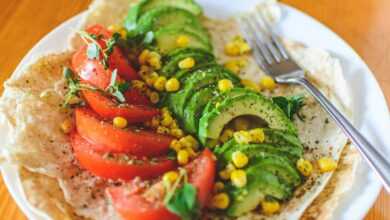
pixel 212 123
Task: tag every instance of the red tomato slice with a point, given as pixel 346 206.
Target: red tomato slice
pixel 111 169
pixel 136 97
pixel 134 206
pixel 98 29
pixel 108 109
pixel 135 142
pixel 201 173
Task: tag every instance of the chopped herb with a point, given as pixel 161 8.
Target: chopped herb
pixel 290 105
pixel 117 89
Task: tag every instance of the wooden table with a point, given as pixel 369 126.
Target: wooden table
pixel 363 24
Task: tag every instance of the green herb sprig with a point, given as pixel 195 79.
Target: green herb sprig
pixel 290 105
pixel 117 89
pixel 74 86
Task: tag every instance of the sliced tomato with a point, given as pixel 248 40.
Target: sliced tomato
pixel 135 142
pixel 98 29
pixel 136 97
pixel 111 169
pixel 108 109
pixel 135 206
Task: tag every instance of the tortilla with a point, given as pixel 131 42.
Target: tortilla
pixel 52 181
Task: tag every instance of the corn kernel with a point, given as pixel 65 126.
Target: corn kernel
pixel 241 124
pixel 176 145
pixel 155 122
pixel 235 65
pixel 183 157
pixel 326 164
pixel 159 84
pixel 239 159
pixel 122 32
pixel 177 132
pixel 66 126
pixel 182 41
pixel 144 57
pixel 232 49
pixel 151 78
pixel 257 135
pixel 225 85
pixel 268 82
pixel 114 27
pixel 242 137
pixel 119 122
pixel 305 167
pixel 270 207
pixel 187 63
pixel 226 135
pixel 155 60
pixel 218 186
pixel 224 174
pixel 154 97
pixel 238 178
pixel 250 85
pixel 167 120
pixel 172 85
pixel 170 177
pixel 220 201
pixel 162 130
pixel 189 142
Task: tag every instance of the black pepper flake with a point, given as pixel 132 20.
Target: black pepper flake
pixel 326 121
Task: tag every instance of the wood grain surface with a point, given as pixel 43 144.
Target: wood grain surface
pixel 363 24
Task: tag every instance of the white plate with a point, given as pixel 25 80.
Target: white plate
pixel 369 105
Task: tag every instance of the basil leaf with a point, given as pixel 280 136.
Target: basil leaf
pixel 93 51
pixel 289 105
pixel 184 203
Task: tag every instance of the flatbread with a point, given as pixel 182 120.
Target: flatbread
pixel 30 115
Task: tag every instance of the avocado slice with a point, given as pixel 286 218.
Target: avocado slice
pixel 166 39
pixel 194 108
pixel 145 5
pixel 212 123
pixel 199 79
pixel 261 183
pixel 224 152
pixel 280 137
pixel 200 56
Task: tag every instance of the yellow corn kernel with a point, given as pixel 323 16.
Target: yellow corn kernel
pixel 224 174
pixel 239 159
pixel 144 57
pixel 225 85
pixel 189 142
pixel 305 167
pixel 242 137
pixel 183 157
pixel 159 84
pixel 270 207
pixel 154 97
pixel 165 110
pixel 268 82
pixel 170 177
pixel 240 124
pixel 232 49
pixel 122 32
pixel 257 135
pixel 220 201
pixel 138 84
pixel 182 41
pixel 250 85
pixel 172 85
pixel 187 63
pixel 151 78
pixel 154 60
pixel 114 27
pixel 162 130
pixel 218 186
pixel 119 122
pixel 226 135
pixel 238 178
pixel 173 125
pixel 326 164
pixel 177 132
pixel 244 48
pixel 176 145
pixel 155 122
pixel 66 126
pixel 235 65
pixel 167 120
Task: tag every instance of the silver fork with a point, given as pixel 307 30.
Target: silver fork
pixel 273 58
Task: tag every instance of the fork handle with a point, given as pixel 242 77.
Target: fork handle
pixel 375 159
